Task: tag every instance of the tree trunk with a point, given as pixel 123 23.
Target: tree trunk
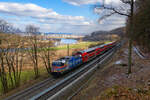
pixel 130 56
pixel 68 49
pixel 130 38
pixel 3 75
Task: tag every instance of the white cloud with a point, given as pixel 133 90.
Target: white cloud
pixel 81 2
pixel 71 22
pixel 86 2
pixel 51 21
pixel 35 11
pixel 115 19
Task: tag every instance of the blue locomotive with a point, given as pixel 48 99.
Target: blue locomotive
pixel 65 64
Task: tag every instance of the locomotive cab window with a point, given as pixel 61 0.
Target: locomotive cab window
pixel 57 64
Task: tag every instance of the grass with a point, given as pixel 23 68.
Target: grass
pixel 75 46
pixel 1 87
pixel 81 45
pixel 26 76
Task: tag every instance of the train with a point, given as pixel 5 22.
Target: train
pixel 68 63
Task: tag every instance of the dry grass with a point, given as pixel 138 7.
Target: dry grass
pixel 124 93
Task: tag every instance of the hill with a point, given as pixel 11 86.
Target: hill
pixel 118 31
pixel 105 35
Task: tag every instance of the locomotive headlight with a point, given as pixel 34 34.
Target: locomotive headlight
pixel 63 61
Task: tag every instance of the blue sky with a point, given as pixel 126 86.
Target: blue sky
pixel 57 5
pixel 71 16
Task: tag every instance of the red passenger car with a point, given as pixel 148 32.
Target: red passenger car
pixel 93 52
pixel 87 54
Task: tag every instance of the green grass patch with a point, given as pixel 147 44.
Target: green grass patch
pixel 1 89
pixel 26 76
pixel 81 45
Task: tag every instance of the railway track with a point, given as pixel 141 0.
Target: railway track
pixel 51 86
pixel 35 89
pixel 51 92
pixel 31 91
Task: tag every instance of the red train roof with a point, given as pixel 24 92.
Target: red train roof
pixel 91 49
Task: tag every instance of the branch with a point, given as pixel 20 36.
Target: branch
pixel 112 9
pixel 126 1
pixel 105 16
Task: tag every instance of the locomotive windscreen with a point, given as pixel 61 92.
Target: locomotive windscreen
pixel 57 64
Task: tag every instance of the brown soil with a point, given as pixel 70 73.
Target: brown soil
pixel 116 75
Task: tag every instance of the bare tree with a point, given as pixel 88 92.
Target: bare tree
pixel 14 60
pixel 32 31
pixel 3 73
pixel 125 9
pixel 5 27
pixel 11 63
pixel 46 55
pixel 142 25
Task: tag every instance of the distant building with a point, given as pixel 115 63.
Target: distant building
pixel 66 41
pixel 60 35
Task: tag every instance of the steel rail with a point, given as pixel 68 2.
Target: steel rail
pixel 23 93
pixel 81 77
pixel 69 77
pixel 81 87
